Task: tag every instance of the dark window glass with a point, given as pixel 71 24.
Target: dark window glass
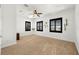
pixel 56 25
pixel 27 26
pixel 40 26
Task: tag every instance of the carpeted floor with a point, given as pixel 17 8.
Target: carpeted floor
pixel 38 45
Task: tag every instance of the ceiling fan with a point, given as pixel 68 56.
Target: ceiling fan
pixel 36 13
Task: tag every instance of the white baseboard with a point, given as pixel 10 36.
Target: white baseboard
pixel 55 37
pixel 77 46
pixel 6 45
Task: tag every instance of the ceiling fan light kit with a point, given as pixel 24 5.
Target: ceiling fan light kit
pixel 36 13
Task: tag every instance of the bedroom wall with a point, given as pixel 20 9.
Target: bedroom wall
pixel 0 27
pixel 20 21
pixel 0 21
pixel 77 26
pixel 8 25
pixel 21 26
pixel 69 34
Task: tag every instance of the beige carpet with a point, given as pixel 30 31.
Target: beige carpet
pixel 38 45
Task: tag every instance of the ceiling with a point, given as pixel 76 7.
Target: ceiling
pixel 43 8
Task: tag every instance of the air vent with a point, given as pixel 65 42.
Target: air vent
pixel 0 5
pixel 26 5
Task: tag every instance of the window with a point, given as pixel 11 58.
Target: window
pixel 27 26
pixel 56 25
pixel 40 26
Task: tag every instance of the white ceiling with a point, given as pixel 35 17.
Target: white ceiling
pixel 43 8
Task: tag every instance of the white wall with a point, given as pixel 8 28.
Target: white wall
pixel 77 25
pixel 0 28
pixel 8 24
pixel 20 22
pixel 21 26
pixel 0 21
pixel 69 34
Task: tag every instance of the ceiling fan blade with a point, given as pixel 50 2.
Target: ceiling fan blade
pixel 40 13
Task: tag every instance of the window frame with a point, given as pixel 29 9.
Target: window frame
pixel 39 26
pixel 55 25
pixel 25 25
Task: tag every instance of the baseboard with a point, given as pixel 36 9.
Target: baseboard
pixel 12 43
pixel 77 47
pixel 55 37
pixel 26 35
